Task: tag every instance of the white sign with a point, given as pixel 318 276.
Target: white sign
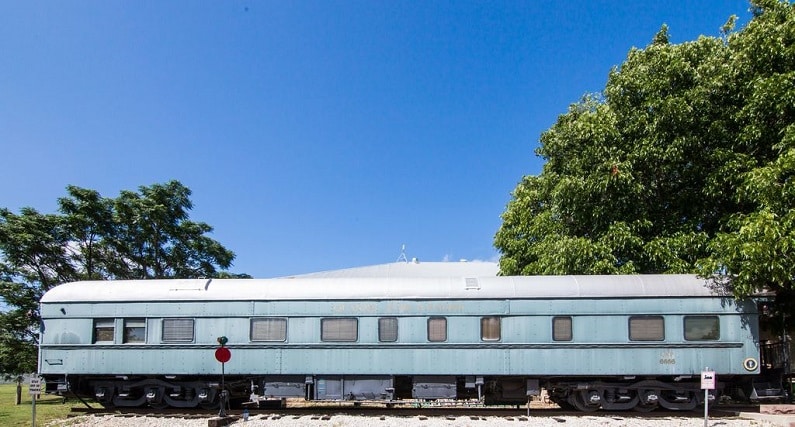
pixel 708 380
pixel 35 386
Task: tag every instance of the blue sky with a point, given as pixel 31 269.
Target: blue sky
pixel 314 135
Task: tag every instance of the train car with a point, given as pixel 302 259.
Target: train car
pixel 399 332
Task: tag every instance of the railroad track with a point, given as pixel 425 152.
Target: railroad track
pixel 474 413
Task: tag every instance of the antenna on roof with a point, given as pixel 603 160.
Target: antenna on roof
pixel 402 256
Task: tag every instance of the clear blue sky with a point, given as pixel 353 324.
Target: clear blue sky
pixel 314 135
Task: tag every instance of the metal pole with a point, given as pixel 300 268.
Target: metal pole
pixel 786 382
pixel 222 397
pixel 34 410
pixel 706 406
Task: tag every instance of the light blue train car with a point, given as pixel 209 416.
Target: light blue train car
pixel 399 331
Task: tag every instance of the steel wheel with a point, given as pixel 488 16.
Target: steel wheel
pixel 647 400
pixel 581 400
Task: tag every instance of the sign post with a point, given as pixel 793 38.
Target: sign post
pixel 223 355
pixel 708 381
pixel 34 388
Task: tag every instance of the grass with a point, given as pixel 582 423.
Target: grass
pixel 48 408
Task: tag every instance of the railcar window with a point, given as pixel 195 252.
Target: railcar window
pixel 104 330
pixel 269 329
pixel 490 328
pixel 437 329
pixel 702 328
pixel 561 329
pixel 646 328
pixel 344 329
pixel 387 329
pixel 177 330
pixel 134 331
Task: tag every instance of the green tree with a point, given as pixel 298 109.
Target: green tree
pixel 683 163
pixel 34 260
pixel 756 245
pixel 88 218
pixel 153 237
pixel 138 235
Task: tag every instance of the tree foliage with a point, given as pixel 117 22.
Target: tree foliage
pixel 138 235
pixel 684 163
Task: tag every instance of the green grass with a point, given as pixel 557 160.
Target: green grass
pixel 48 407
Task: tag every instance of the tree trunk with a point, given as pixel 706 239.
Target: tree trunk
pixel 18 397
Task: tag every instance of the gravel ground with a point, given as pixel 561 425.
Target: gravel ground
pixel 262 420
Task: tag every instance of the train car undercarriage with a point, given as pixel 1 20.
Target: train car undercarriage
pixel 583 394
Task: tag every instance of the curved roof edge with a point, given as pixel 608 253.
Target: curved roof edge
pixel 376 288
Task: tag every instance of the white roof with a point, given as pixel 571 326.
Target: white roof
pixel 338 286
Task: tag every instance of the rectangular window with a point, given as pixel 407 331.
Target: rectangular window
pixel 104 330
pixel 702 328
pixel 561 329
pixel 437 329
pixel 134 331
pixel 340 330
pixel 269 329
pixel 387 329
pixel 490 328
pixel 646 328
pixel 177 330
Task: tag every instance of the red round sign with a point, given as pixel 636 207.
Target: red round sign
pixel 222 354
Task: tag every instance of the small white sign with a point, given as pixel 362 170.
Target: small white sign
pixel 34 387
pixel 708 380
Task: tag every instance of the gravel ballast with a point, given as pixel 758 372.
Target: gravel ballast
pixel 261 420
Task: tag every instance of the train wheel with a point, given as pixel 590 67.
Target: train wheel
pixel 585 400
pixel 647 400
pixel 678 400
pixel 213 404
